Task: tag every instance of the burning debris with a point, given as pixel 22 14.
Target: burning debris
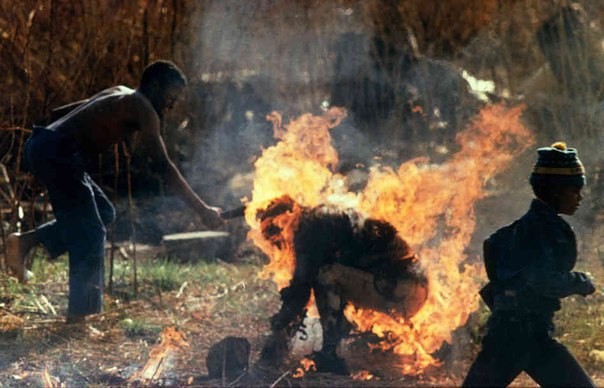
pixel 162 357
pixel 341 258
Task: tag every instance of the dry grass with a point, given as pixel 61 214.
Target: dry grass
pixel 210 301
pixel 53 52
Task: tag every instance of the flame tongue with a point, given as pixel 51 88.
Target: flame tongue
pixel 162 356
pixel 430 205
pixel 306 365
pixel 299 166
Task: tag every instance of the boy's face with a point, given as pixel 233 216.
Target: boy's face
pixel 569 199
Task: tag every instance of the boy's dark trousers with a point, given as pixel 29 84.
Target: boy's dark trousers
pixel 516 343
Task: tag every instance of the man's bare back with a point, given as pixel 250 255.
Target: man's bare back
pixel 108 118
pixel 115 114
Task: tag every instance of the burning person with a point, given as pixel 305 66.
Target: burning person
pixel 343 259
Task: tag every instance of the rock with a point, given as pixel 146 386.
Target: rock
pixel 229 357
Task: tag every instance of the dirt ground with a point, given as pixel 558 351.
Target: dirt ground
pixel 39 349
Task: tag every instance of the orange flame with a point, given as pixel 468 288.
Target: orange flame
pixel 430 205
pixel 300 165
pixel 363 375
pixel 162 356
pixel 306 364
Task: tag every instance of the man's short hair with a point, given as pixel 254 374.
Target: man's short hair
pixel 164 73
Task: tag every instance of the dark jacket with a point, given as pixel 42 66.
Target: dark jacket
pixel 545 254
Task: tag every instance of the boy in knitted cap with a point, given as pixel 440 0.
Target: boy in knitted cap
pixel 531 278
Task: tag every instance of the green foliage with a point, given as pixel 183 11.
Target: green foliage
pixel 9 288
pixel 45 270
pixel 579 326
pixel 139 328
pixel 164 275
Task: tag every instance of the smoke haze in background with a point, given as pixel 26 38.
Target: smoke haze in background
pixel 396 65
pixel 293 58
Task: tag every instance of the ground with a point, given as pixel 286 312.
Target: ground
pixel 206 301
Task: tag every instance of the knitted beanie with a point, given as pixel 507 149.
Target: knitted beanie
pixel 558 165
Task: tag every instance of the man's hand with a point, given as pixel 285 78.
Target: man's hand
pixel 211 217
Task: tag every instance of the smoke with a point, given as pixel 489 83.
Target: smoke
pixel 258 57
pixel 265 57
pixel 254 58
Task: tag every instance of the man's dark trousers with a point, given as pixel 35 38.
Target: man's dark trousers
pixel 81 212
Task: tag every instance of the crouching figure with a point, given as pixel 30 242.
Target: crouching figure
pixel 342 259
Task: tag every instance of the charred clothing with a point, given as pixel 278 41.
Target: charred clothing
pixel 344 260
pixel 81 212
pixel 519 336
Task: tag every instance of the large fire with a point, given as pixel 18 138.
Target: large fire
pixel 431 205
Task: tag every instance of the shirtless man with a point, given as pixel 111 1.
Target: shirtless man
pixel 55 154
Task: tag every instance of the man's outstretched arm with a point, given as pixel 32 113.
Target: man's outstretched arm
pixel 153 143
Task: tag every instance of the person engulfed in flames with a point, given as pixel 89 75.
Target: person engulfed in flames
pixel 342 259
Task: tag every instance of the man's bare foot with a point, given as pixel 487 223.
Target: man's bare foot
pixel 17 247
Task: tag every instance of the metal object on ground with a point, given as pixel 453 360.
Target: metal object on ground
pixel 233 213
pixel 205 245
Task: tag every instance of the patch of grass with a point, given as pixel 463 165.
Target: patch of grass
pixel 139 328
pixel 153 275
pixel 218 279
pixel 215 272
pixel 164 275
pixel 9 288
pixel 49 270
pixel 579 325
pixel 240 292
pixel 23 299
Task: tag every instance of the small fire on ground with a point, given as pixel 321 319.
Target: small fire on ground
pixel 306 364
pixel 430 205
pixel 163 356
